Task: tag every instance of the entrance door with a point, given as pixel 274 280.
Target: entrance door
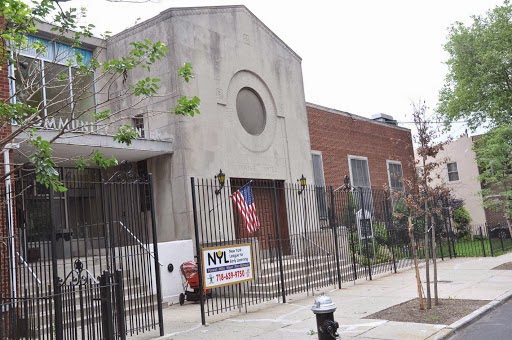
pixel 263 193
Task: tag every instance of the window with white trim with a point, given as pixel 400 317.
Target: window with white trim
pixel 360 181
pixel 359 173
pixel 319 180
pixel 453 171
pixel 395 175
pixel 138 125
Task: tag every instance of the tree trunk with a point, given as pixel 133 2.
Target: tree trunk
pixel 434 263
pixel 509 223
pixel 416 265
pixel 427 248
pixel 427 259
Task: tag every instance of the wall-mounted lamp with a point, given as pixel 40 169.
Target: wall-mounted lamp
pixel 303 183
pixel 221 177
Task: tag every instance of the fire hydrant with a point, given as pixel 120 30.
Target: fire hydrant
pixel 324 310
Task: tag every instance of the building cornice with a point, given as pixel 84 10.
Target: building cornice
pixel 189 11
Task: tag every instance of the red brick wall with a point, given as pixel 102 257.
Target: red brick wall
pixel 338 135
pixel 4 95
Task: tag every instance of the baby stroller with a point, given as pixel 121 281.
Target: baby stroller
pixel 189 271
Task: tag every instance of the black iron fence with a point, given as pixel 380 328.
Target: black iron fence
pixel 312 237
pixel 79 262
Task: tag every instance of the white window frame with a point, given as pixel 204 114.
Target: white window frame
pixel 319 153
pixel 141 132
pixel 388 162
pixel 350 168
pixel 42 60
pixel 448 171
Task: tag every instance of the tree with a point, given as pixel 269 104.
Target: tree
pixel 28 111
pixel 478 86
pixel 494 155
pixel 422 196
pixel 462 219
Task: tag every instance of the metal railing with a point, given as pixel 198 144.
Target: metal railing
pixel 313 237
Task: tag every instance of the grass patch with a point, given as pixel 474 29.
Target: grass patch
pixel 475 248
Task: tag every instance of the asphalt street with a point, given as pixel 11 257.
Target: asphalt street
pixel 495 325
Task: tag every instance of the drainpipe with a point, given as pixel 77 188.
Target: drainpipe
pixel 10 217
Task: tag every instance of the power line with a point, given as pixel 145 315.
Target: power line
pixel 434 122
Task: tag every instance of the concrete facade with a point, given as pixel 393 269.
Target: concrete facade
pixel 337 135
pixel 230 49
pixel 467 187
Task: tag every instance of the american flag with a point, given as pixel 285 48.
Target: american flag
pixel 244 201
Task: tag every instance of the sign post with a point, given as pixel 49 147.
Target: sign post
pixel 227 265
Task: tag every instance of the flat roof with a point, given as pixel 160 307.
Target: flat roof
pixel 353 116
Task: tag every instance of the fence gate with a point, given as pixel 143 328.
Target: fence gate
pixel 80 263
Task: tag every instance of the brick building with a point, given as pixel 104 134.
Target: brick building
pixel 373 152
pixel 5 131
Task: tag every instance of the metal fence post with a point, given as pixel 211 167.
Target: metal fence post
pixel 278 236
pixel 334 227
pixel 106 306
pixel 389 221
pixel 120 310
pixel 57 291
pixel 198 251
pixel 490 240
pixel 363 224
pixel 482 239
pixel 352 245
pixel 270 248
pixel 155 256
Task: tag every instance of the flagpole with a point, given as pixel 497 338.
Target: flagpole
pixel 243 186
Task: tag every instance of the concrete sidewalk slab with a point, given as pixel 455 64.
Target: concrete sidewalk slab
pixel 466 278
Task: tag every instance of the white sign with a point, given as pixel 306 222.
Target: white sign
pixel 226 265
pixel 364 224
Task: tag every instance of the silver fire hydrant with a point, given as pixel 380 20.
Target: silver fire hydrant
pixel 324 310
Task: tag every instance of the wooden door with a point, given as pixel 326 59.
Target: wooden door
pixel 263 193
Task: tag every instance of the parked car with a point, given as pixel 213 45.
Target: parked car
pixel 499 231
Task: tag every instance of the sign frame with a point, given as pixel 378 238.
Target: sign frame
pixel 203 264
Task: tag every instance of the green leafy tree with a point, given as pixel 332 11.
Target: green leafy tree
pixel 478 89
pixel 462 219
pixel 27 111
pixel 478 85
pixel 494 155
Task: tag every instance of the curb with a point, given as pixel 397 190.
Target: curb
pixel 468 319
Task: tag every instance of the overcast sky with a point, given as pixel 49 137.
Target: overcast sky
pixel 360 56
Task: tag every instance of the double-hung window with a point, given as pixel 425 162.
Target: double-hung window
pixel 360 180
pixel 453 171
pixel 395 175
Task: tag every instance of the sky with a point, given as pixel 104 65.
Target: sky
pixel 359 56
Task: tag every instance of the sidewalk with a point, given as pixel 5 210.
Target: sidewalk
pixel 464 278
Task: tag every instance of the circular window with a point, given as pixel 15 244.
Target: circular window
pixel 251 111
